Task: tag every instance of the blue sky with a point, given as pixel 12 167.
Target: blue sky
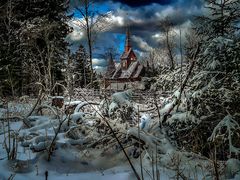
pixel 142 16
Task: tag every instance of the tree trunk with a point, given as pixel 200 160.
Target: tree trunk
pixel 89 42
pixel 170 53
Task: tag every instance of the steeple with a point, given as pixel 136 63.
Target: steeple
pixel 127 41
pixel 111 66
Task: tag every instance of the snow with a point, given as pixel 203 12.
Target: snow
pixel 72 103
pixel 2 112
pixel 145 122
pixel 16 107
pixel 112 107
pixel 232 168
pixel 182 117
pixel 122 98
pixel 231 125
pixel 73 157
pixel 176 94
pixel 77 116
pixel 57 97
pixel 118 173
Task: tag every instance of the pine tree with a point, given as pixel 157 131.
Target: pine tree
pixel 43 39
pixel 10 63
pixel 33 38
pixel 216 84
pixel 219 39
pixel 82 68
pixel 222 18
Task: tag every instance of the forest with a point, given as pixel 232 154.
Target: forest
pixel 63 118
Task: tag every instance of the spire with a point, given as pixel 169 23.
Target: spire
pixel 127 41
pixel 111 66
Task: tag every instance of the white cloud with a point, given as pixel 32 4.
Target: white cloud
pixel 157 37
pixel 98 62
pixel 165 12
pixel 141 43
pixel 99 69
pixel 115 19
pixel 77 34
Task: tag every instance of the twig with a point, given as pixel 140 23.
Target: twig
pixel 51 108
pixel 50 150
pixel 38 100
pixel 153 166
pixel 159 116
pixel 157 178
pixel 139 146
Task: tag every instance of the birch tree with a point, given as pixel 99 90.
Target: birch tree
pixel 91 23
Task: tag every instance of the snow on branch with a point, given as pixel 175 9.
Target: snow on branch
pixel 231 126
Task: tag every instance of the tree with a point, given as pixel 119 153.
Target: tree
pixel 168 39
pixel 92 23
pixel 32 43
pixel 110 51
pixel 192 39
pixel 78 70
pixel 43 44
pixel 221 36
pixel 215 84
pixel 82 67
pixel 153 60
pixel 222 18
pixel 10 62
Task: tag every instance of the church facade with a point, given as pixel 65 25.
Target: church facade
pixel 128 72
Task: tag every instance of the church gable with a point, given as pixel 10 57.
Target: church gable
pixel 129 55
pixel 127 58
pixel 132 56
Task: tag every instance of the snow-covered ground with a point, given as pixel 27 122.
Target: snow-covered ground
pixel 83 147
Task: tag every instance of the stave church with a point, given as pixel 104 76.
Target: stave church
pixel 126 74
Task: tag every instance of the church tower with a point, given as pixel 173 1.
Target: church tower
pixel 128 55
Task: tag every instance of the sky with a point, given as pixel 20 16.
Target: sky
pixel 141 16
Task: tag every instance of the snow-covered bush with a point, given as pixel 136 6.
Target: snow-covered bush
pixel 121 101
pixel 103 106
pixel 182 118
pixel 225 131
pixel 122 98
pixel 169 80
pixel 214 92
pixel 232 168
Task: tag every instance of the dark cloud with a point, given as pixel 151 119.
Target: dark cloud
pixel 143 17
pixel 145 22
pixel 138 3
pixel 133 3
